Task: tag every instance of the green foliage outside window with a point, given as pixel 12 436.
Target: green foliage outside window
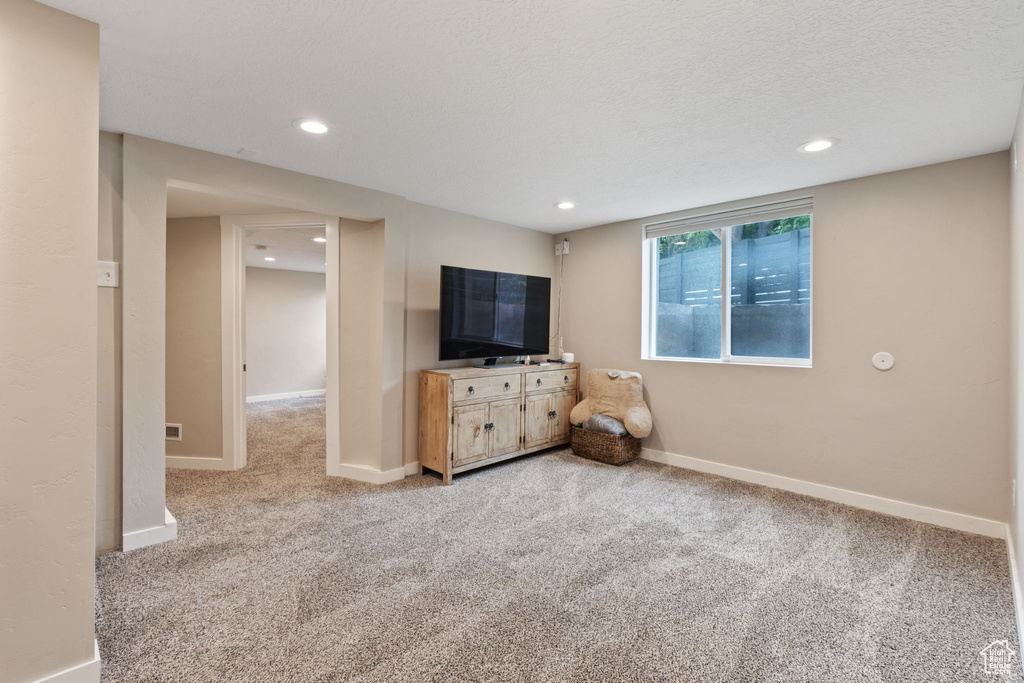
pixel 703 239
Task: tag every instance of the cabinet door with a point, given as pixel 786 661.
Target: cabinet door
pixel 470 437
pixel 504 419
pixel 562 404
pixel 538 420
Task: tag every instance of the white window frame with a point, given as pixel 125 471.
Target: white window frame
pixel 719 221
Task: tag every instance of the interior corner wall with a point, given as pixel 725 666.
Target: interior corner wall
pixel 438 237
pixel 285 331
pixel 914 263
pixel 408 241
pixel 1016 512
pixel 193 352
pixel 149 166
pixel 49 118
pixel 361 364
pixel 108 362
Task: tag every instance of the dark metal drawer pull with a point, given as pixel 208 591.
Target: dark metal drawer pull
pixel 538 382
pixel 507 386
pixel 472 390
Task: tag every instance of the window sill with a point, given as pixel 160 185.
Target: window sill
pixel 770 362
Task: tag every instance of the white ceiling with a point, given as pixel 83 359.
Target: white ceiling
pixel 291 248
pixel 501 108
pixel 187 203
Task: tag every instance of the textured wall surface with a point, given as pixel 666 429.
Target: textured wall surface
pixel 361 366
pixel 285 331
pixel 436 238
pixel 914 263
pixel 148 166
pixel 501 109
pixel 49 110
pixel 109 358
pixel 1017 337
pixel 194 336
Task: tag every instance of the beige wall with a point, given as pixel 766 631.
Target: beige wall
pixel 914 263
pixel 108 389
pixel 378 433
pixel 148 167
pixel 285 331
pixel 1017 338
pixel 49 117
pixel 194 337
pixel 438 237
pixel 361 366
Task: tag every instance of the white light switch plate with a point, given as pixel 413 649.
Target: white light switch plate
pixel 107 273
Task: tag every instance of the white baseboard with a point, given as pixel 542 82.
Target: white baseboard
pixel 312 393
pixel 1018 595
pixel 412 468
pixel 188 462
pixel 168 531
pixel 86 672
pixel 920 513
pixel 367 474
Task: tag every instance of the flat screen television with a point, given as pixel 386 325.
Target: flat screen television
pixel 485 314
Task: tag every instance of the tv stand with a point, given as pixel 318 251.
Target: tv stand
pixel 471 417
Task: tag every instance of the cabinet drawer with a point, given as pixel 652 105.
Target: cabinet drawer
pixel 480 388
pixel 550 380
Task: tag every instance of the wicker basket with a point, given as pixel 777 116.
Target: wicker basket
pixel 608 448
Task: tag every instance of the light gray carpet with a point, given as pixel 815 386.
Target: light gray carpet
pixel 547 568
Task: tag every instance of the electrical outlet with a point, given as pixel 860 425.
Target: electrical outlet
pixel 558 249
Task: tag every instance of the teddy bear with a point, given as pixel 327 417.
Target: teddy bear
pixel 617 394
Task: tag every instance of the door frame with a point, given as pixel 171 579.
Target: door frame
pixel 233 327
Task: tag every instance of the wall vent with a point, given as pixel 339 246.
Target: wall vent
pixel 173 432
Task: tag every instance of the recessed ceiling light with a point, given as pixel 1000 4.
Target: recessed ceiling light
pixel 269 258
pixel 311 126
pixel 817 145
pixel 565 205
pixel 319 239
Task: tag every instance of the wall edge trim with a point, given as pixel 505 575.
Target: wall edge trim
pixel 311 393
pixel 86 672
pixel 168 531
pixel 191 462
pixel 367 474
pixel 866 501
pixel 1018 593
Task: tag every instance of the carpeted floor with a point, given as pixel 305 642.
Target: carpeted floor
pixel 547 568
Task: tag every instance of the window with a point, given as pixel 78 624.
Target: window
pixel 761 256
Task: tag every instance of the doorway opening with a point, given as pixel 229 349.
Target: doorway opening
pixel 285 344
pixel 291 262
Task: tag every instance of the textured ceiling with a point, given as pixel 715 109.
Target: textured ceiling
pixel 500 108
pixel 291 248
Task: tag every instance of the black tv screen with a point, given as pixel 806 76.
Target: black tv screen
pixel 485 314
